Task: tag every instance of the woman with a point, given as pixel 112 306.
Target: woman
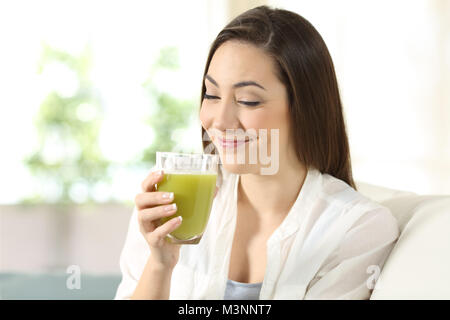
pixel 300 232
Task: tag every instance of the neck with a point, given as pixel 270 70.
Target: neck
pixel 271 196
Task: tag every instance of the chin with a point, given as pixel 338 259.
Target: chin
pixel 237 161
pixel 235 168
pixel 238 168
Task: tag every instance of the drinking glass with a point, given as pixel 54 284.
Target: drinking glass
pixel 192 179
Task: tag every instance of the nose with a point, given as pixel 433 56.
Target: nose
pixel 225 116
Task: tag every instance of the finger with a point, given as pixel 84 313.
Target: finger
pixel 150 217
pixel 160 233
pixel 149 182
pixel 215 192
pixel 150 199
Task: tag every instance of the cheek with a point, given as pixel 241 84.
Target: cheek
pixel 256 119
pixel 273 119
pixel 267 119
pixel 205 117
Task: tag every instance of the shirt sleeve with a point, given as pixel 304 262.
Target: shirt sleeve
pixel 133 258
pixel 351 271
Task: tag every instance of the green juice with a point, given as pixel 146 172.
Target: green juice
pixel 193 194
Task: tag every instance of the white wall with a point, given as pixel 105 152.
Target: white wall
pixel 392 60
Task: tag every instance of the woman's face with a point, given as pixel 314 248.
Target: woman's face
pixel 243 99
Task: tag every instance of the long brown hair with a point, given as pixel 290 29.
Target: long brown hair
pixel 305 67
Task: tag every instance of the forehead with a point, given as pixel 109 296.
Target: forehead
pixel 235 61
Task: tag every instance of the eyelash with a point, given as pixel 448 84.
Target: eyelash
pixel 247 103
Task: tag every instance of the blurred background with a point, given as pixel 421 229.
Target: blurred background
pixel 89 90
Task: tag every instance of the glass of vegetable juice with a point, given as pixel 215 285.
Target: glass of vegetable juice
pixel 192 179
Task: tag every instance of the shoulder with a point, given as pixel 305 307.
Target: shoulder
pixel 368 216
pixel 338 191
pixel 366 230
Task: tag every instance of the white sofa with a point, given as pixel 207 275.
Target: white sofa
pixel 418 266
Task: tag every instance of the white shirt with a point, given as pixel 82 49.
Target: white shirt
pixel 328 246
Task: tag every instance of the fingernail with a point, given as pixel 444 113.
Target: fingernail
pixel 171 207
pixel 168 195
pixel 159 173
pixel 180 218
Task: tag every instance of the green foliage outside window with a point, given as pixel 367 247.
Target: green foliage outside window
pixel 58 122
pixel 59 126
pixel 170 113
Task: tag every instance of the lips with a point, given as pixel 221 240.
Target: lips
pixel 232 143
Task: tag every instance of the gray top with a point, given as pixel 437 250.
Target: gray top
pixel 242 291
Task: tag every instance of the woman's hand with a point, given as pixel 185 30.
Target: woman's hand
pixel 153 205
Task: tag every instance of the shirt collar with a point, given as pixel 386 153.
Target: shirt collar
pixel 302 205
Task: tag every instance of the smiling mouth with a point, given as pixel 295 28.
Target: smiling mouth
pixel 232 143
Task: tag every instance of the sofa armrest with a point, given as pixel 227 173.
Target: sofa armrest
pixel 418 265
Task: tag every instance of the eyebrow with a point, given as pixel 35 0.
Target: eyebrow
pixel 236 85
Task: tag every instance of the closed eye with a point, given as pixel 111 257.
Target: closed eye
pixel 250 103
pixel 247 103
pixel 207 96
